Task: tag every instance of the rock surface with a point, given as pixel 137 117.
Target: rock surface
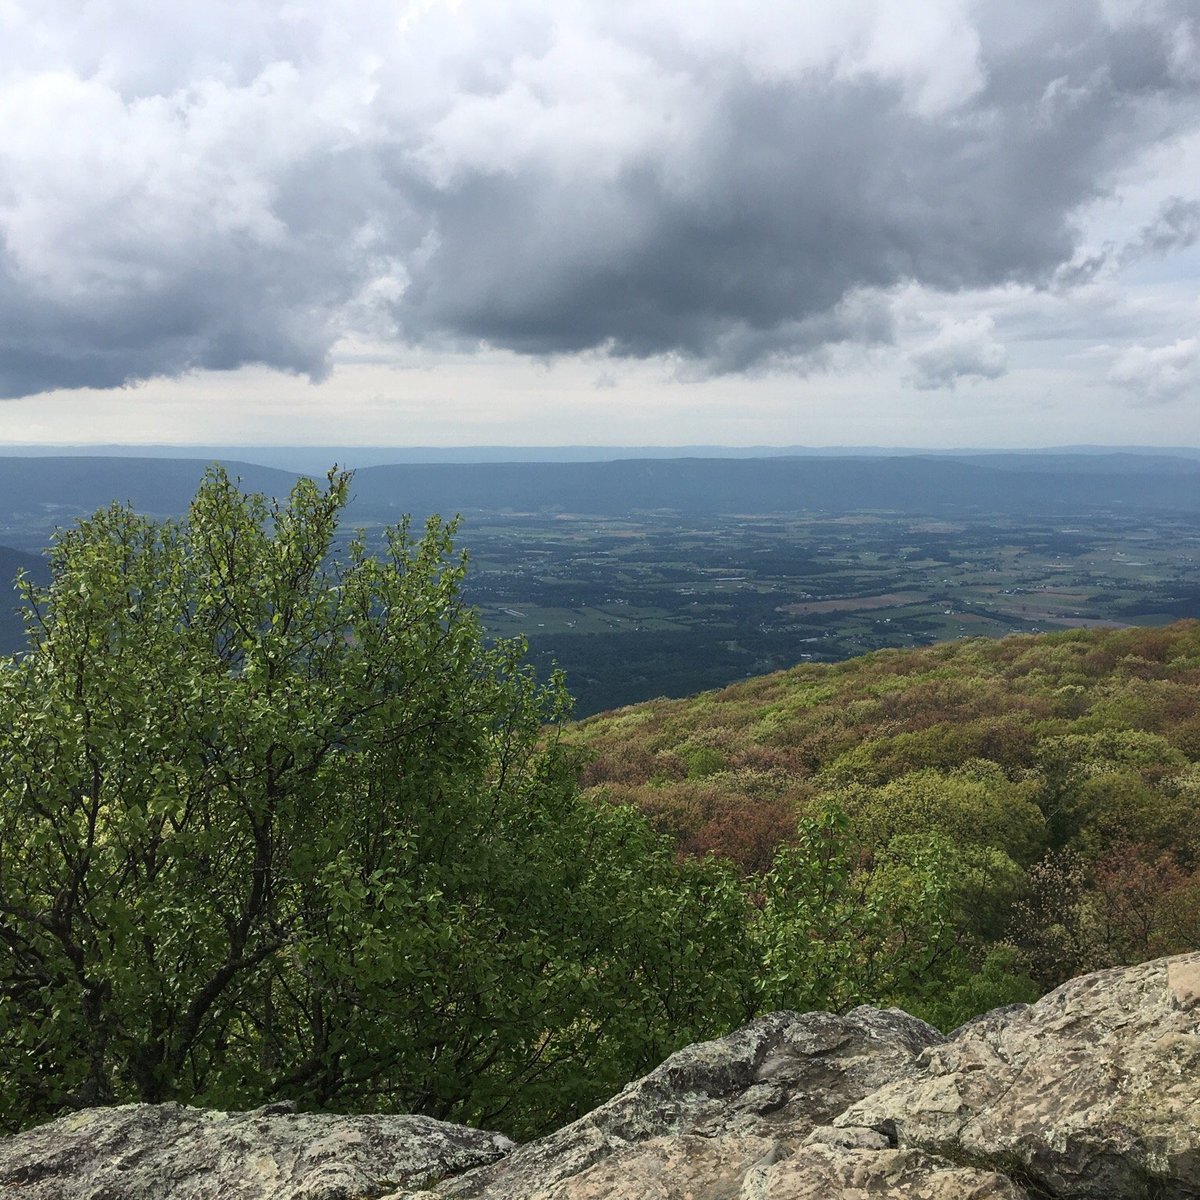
pixel 168 1152
pixel 1094 1091
pixel 714 1110
pixel 696 1168
pixel 1091 1093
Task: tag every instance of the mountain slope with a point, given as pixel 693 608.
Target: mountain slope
pixel 76 485
pixel 1066 766
pixel 12 628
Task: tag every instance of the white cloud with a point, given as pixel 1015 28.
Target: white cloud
pixel 1159 374
pixel 959 350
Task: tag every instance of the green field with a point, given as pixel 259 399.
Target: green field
pixel 662 605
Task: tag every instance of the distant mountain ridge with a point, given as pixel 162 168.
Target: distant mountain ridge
pixel 160 486
pixel 930 486
pixel 925 486
pixel 12 627
pixel 317 459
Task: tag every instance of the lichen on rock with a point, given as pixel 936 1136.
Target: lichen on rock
pixel 1094 1091
pixel 170 1152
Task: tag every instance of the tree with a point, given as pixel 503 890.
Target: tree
pixel 275 823
pixel 840 924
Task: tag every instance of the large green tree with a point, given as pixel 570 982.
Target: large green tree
pixel 276 821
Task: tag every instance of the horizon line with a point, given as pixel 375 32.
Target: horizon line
pixel 674 446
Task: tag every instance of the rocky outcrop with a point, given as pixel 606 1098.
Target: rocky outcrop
pixel 714 1112
pixel 1092 1093
pixel 168 1152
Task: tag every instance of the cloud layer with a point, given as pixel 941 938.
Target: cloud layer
pixel 211 185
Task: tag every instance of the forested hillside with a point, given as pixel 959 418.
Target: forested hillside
pixel 279 821
pixel 1062 772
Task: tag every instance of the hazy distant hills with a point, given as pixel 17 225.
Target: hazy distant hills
pixel 1018 484
pixel 318 459
pixel 1088 490
pixel 1121 462
pixel 36 492
pixel 39 489
pixel 12 561
pixel 12 630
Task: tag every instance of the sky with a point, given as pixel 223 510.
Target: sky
pixel 539 222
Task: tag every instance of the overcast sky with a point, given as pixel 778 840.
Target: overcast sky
pixel 551 221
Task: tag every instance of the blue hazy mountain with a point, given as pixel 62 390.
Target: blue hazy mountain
pixel 12 629
pixel 318 459
pixel 930 486
pixel 35 492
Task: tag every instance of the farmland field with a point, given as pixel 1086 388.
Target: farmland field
pixel 664 605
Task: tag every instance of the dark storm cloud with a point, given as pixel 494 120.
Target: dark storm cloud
pixel 803 193
pixel 784 213
pixel 639 188
pixel 803 190
pixel 115 296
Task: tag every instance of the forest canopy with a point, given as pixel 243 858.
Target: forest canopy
pixel 1063 769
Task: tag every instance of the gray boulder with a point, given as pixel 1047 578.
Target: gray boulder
pixel 1094 1091
pixel 773 1080
pixel 168 1152
pixel 730 1168
pixel 730 1119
